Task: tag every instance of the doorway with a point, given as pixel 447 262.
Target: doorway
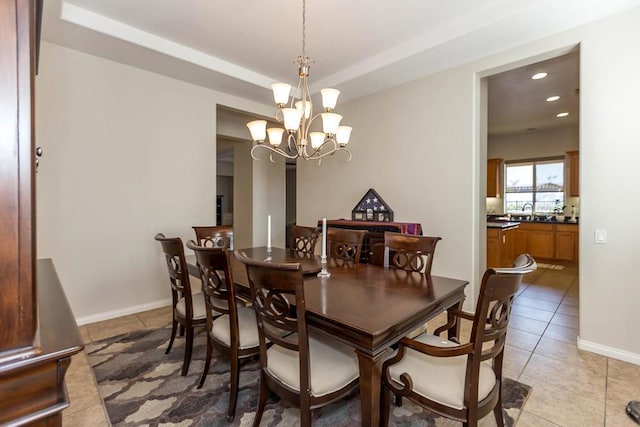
pixel 533 157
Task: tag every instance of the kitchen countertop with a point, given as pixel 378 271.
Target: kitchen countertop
pixel 494 219
pixel 504 225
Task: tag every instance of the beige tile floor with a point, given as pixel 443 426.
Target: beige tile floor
pixel 570 387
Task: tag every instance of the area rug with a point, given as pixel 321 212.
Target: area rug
pixel 140 385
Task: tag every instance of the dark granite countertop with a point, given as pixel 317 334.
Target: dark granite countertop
pixel 523 218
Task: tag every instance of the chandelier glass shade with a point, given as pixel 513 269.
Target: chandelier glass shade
pixel 296 116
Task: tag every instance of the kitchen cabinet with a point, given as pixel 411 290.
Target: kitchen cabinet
pixel 567 243
pixel 500 247
pixel 494 243
pixel 494 177
pixel 540 240
pixel 573 169
pixel 520 241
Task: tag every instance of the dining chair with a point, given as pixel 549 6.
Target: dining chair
pixel 231 326
pixel 303 239
pixel 220 236
pixel 303 367
pixel 409 252
pixel 189 309
pixel 462 382
pixel 343 243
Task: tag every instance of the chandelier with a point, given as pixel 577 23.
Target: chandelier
pixel 297 117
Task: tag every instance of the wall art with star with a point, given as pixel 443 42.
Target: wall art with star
pixel 372 208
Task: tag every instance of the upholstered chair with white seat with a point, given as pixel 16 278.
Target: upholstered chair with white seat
pixel 462 382
pixel 303 368
pixel 231 324
pixel 189 309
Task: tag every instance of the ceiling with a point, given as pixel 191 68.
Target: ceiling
pixel 359 46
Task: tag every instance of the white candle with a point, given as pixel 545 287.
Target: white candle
pixel 324 237
pixel 269 232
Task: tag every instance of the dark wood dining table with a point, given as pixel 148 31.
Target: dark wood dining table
pixel 366 306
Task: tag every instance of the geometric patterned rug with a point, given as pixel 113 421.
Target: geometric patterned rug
pixel 140 385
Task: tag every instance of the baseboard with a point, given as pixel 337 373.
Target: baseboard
pixel 84 320
pixel 604 350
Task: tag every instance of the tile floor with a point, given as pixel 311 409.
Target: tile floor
pixel 570 387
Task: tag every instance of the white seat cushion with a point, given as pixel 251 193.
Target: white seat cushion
pixel 441 379
pixel 332 364
pixel 199 308
pixel 247 328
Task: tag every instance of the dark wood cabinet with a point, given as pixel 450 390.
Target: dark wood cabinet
pixel 38 334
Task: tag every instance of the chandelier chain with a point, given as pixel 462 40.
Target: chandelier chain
pixel 304 28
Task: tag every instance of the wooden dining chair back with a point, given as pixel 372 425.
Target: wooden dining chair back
pixel 220 236
pixel 409 252
pixel 189 309
pixel 303 368
pixel 231 326
pixel 343 243
pixel 462 382
pixel 303 239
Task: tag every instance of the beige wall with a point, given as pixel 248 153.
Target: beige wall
pixel 421 146
pixel 127 154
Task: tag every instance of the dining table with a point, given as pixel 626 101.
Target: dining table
pixel 368 307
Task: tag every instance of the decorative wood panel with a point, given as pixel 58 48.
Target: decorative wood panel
pixel 17 307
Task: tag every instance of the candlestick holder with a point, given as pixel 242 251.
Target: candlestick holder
pixel 268 254
pixel 323 263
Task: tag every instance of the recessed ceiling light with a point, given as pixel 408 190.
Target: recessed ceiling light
pixel 538 76
pixel 553 98
pixel 565 114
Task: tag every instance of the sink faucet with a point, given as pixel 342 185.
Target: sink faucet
pixel 524 207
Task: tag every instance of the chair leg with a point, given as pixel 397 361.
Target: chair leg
pixel 398 400
pixel 305 416
pixel 234 380
pixel 262 400
pixel 187 351
pixel 497 410
pixel 385 402
pixel 207 362
pixel 182 329
pixel 174 328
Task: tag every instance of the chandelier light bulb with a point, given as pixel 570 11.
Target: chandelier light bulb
pixel 329 98
pixel 281 93
pixel 275 136
pixel 292 118
pixel 343 135
pixel 258 130
pixel 330 123
pixel 317 139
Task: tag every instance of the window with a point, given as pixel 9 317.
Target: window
pixel 534 186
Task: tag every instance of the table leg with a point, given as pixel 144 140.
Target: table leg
pixel 454 331
pixel 370 376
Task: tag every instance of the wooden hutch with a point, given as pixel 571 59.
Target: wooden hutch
pixel 38 334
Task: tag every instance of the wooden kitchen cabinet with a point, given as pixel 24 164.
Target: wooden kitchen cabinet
pixel 567 243
pixel 520 241
pixel 494 177
pixel 573 169
pixel 494 243
pixel 540 240
pixel 500 247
